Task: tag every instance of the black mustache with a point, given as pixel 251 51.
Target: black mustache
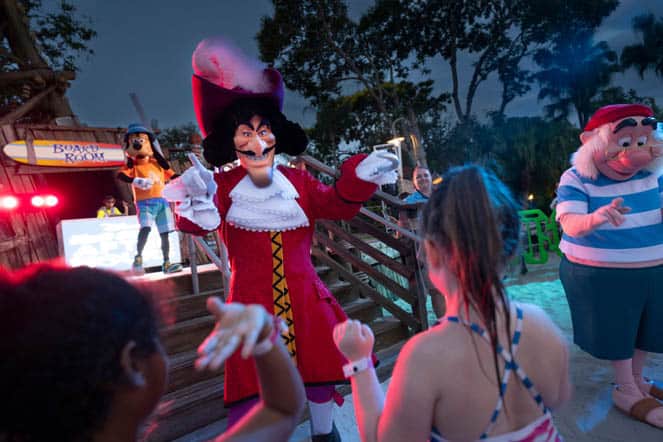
pixel 250 153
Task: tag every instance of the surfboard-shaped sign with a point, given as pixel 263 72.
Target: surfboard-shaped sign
pixel 66 153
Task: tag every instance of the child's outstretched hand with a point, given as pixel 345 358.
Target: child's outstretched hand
pixel 354 339
pixel 236 324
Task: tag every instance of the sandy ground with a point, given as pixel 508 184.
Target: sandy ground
pixel 590 415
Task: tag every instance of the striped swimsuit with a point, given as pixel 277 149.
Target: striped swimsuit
pixel 540 430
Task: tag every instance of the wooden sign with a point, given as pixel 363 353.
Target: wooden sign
pixel 66 153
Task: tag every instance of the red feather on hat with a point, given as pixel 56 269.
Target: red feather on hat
pixel 223 75
pixel 219 62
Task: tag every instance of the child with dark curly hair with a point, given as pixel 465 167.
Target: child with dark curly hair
pixel 82 359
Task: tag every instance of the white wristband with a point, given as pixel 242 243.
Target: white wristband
pixel 353 367
pixel 267 344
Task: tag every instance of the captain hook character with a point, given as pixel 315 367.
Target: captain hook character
pixel 266 215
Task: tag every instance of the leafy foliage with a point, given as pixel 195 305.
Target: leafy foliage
pixel 54 39
pixel 364 76
pixel 496 34
pixel 323 54
pixel 356 119
pixel 528 153
pixel 649 53
pixel 359 85
pixel 532 154
pixel 61 36
pixel 178 136
pixel 574 72
pixel 617 94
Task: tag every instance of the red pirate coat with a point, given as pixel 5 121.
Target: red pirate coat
pixel 314 310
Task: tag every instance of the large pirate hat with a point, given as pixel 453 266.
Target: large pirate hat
pixel 225 80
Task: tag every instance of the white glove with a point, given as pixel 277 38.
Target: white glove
pixel 205 174
pixel 195 191
pixel 379 167
pixel 142 183
pixel 193 182
pixel 196 181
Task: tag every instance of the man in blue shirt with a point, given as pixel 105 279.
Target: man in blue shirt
pixel 423 184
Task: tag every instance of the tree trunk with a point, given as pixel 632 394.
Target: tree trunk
pixel 419 150
pixel 23 47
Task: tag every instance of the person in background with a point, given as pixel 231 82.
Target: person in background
pixel 491 369
pixel 87 363
pixel 109 210
pixel 423 184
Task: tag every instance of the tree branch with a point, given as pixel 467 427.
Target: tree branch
pixel 350 62
pixel 453 63
pixel 26 107
pixel 42 76
pixel 18 35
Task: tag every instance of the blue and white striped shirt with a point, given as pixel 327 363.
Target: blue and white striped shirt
pixel 638 239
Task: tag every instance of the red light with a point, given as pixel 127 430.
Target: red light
pixel 8 202
pixel 38 201
pixel 51 200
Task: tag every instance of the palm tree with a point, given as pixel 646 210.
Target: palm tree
pixel 574 71
pixel 649 53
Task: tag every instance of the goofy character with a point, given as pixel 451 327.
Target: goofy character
pixel 267 216
pixel 147 171
pixel 609 206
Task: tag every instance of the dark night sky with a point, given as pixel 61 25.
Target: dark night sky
pixel 146 47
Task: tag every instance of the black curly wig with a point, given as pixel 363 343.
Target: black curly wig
pixel 62 333
pixel 219 148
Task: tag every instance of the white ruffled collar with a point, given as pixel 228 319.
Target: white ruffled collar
pixel 272 208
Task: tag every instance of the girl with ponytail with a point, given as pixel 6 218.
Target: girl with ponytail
pixel 490 369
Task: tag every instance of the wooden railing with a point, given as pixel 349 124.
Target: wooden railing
pixel 376 254
pixel 220 261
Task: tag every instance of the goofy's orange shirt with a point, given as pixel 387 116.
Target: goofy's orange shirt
pixel 151 170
